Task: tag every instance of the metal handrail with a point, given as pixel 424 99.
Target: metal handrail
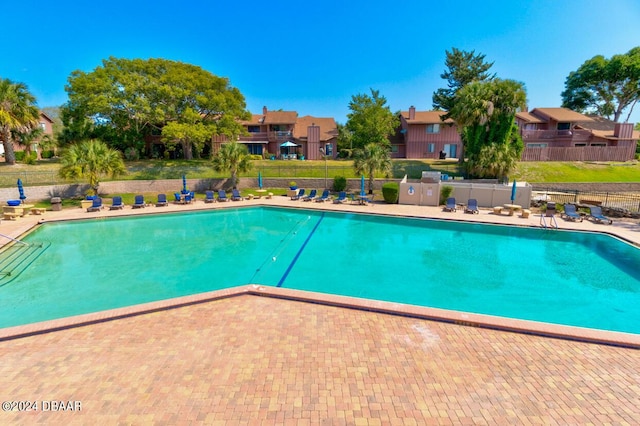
pixel 14 240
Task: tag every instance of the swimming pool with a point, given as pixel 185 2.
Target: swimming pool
pixel 571 278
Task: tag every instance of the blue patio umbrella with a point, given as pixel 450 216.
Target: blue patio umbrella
pixel 184 184
pixel 513 192
pixel 362 185
pixel 21 191
pixel 260 179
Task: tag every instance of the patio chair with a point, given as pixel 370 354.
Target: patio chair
pixel 571 213
pixel 222 195
pixel 177 198
pixel 235 195
pixel 342 198
pixel 324 197
pixel 472 206
pixel 208 197
pixel 450 205
pixel 116 203
pixel 138 202
pixel 311 195
pixel 162 200
pixel 96 206
pixel 595 213
pixel 299 195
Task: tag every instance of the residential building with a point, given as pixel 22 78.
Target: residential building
pixel 284 135
pixel 423 134
pixel 560 134
pixel 46 124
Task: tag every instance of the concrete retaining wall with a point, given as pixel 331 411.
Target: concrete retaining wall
pixel 168 186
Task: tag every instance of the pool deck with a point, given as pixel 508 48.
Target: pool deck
pixel 259 355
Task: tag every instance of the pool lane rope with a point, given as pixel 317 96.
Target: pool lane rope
pixel 278 249
pixel 295 259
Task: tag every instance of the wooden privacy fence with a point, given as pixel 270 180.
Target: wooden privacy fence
pixel 580 153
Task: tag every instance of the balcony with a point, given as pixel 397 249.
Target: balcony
pixel 573 135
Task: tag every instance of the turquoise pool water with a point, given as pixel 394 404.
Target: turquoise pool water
pixel 582 279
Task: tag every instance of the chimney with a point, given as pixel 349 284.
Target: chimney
pixel 623 130
pixel 412 112
pixel 264 110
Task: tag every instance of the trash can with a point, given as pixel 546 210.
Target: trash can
pixel 56 204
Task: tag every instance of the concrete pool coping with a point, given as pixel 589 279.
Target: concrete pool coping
pixel 580 334
pixel 627 231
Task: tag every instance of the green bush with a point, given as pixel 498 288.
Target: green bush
pixel 131 154
pixel 46 154
pixel 255 156
pixel 339 183
pixel 390 192
pixel 445 192
pixel 19 155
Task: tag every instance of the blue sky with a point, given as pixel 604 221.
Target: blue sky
pixel 312 57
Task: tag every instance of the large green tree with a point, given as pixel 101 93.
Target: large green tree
pixel 234 158
pixel 372 158
pixel 91 160
pixel 606 87
pixel 370 120
pixel 485 115
pixel 18 114
pixel 462 68
pixel 127 99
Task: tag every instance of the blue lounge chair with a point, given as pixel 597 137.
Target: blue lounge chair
pixel 595 213
pixel 162 200
pixel 235 195
pixel 208 197
pixel 472 206
pixel 177 198
pixel 299 195
pixel 450 205
pixel 138 202
pixel 342 198
pixel 116 203
pixel 311 195
pixel 324 197
pixel 96 206
pixel 222 196
pixel 571 213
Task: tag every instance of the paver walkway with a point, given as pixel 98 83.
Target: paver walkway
pixel 258 360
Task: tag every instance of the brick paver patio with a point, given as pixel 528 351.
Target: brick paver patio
pixel 259 360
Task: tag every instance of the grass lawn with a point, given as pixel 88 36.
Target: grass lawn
pixel 45 172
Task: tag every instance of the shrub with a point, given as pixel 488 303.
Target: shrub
pixel 46 154
pixel 19 155
pixel 339 183
pixel 30 159
pixel 255 156
pixel 131 154
pixel 390 192
pixel 445 192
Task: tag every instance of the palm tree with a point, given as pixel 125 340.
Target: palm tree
pixel 373 157
pixel 18 113
pixel 91 159
pixel 232 157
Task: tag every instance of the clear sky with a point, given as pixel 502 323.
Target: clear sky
pixel 312 57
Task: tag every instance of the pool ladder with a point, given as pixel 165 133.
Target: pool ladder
pixel 553 224
pixel 17 256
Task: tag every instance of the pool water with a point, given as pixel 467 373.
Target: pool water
pixel 571 278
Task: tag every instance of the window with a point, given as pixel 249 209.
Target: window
pixel 253 129
pixel 580 144
pixel 564 126
pixel 433 128
pixel 254 148
pixel 537 145
pixel 43 126
pixel 598 144
pixel 394 149
pixel 431 148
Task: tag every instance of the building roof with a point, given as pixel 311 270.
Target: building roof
pixel 603 127
pixel 528 117
pixel 560 114
pixel 328 127
pixel 426 117
pixel 280 117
